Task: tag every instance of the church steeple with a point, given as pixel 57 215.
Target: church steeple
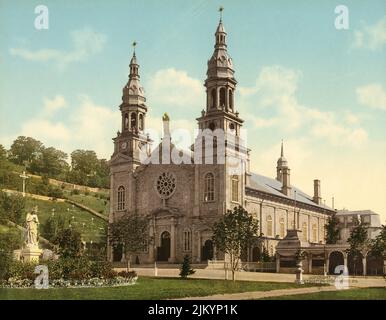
pixel 220 88
pixel 132 138
pixel 281 164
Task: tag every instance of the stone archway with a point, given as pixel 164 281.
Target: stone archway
pixel 163 251
pixel 207 250
pixel 336 258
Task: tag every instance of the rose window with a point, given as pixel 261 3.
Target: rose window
pixel 166 185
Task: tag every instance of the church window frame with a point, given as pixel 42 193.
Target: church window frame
pixel 121 198
pixel 209 187
pixel 269 226
pixel 133 120
pixel 140 122
pixel 187 240
pixel 213 95
pixel 235 181
pixel 126 121
pixel 230 99
pixel 223 98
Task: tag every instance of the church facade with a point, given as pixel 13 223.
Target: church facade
pixel 183 200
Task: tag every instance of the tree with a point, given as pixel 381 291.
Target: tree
pixel 378 245
pixel 265 255
pixel 52 227
pixel 8 242
pixel 69 243
pixel 11 207
pixel 50 162
pixel 185 269
pixel 332 229
pixel 358 241
pixel 233 232
pixel 131 231
pixel 3 152
pixel 24 150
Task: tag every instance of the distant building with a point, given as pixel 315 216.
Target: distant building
pixel 348 219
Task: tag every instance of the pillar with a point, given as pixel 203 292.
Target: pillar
pixel 327 266
pixel 345 261
pixel 172 242
pixel 198 246
pixel 310 263
pixel 151 245
pixel 277 262
pixel 364 262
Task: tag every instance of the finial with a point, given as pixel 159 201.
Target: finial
pixel 134 44
pixel 165 117
pixel 282 152
pixel 221 9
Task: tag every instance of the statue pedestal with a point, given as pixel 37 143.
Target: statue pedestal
pixel 31 254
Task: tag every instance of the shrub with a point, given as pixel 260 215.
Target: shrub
pixel 102 269
pixel 22 270
pixel 127 274
pixel 186 270
pixel 75 192
pixel 8 243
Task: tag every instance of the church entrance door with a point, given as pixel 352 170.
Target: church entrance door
pixel 163 252
pixel 207 250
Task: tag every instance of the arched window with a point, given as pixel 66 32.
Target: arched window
pixel 269 226
pixel 282 228
pixel 235 188
pixel 222 97
pixel 121 198
pixel 209 187
pixel 187 240
pixel 213 96
pixel 304 231
pixel 314 233
pixel 133 120
pixel 230 99
pixel 126 123
pixel 140 121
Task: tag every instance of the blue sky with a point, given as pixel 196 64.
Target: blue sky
pixel 320 89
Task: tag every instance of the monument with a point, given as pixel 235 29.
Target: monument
pixel 31 251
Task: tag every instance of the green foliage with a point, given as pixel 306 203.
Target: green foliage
pixel 358 240
pixel 69 242
pixel 22 270
pixel 185 269
pixel 234 231
pixel 24 150
pixel 3 152
pixel 52 227
pixel 332 229
pixel 265 255
pixel 378 245
pixel 8 242
pixel 11 207
pixel 131 230
pixel 51 162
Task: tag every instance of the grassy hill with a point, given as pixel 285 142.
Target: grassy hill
pixel 91 228
pixel 96 201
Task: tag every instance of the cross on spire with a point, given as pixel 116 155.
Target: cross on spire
pixel 134 45
pixel 221 9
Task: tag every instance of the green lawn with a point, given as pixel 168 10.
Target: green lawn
pixel 90 226
pixel 147 288
pixel 350 294
pixel 91 201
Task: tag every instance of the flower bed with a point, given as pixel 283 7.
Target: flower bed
pixel 72 283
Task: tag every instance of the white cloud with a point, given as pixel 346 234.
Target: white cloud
pixel 176 88
pixel 372 95
pixel 53 105
pixel 89 127
pixel 275 90
pixel 85 42
pixel 371 37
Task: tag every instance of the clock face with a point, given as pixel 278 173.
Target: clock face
pixel 123 145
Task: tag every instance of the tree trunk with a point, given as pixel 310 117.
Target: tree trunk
pixel 128 263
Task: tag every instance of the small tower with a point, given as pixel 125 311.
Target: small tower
pixel 281 165
pixel 131 140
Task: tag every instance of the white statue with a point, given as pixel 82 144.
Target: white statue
pixel 32 222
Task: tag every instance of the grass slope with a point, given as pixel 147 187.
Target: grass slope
pixel 91 227
pixel 91 201
pixel 146 288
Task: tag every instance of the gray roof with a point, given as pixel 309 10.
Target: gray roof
pixel 356 212
pixel 273 186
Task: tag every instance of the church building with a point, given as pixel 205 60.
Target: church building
pixel 183 200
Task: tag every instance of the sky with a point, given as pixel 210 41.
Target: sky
pixel 320 89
